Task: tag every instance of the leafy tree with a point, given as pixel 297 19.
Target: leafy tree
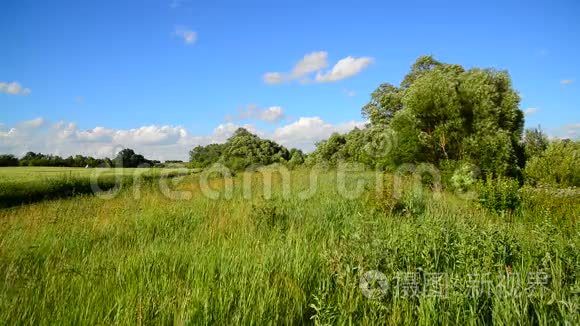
pixel 241 150
pixel 203 156
pixel 385 101
pixel 444 112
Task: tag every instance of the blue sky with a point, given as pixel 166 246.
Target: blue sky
pixel 163 75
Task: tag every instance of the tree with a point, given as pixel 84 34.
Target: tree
pixel 535 142
pixel 127 158
pixel 296 158
pixel 204 156
pixel 385 101
pixel 444 112
pixel 556 166
pixel 8 160
pixel 240 151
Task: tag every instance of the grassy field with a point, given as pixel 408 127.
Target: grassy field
pixel 22 185
pixel 173 255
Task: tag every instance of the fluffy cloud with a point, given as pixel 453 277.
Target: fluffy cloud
pixel 306 131
pixel 188 36
pixel 316 62
pixel 271 114
pixel 155 142
pixel 14 88
pixel 566 81
pixel 311 62
pixel 529 111
pixel 344 68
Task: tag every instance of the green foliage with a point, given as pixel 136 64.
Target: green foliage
pixel 499 194
pixel 8 160
pixel 204 156
pixel 535 142
pixel 150 260
pixel 39 159
pixel 296 158
pixel 441 112
pixel 409 199
pixel 556 166
pixel 464 177
pixel 243 149
pixel 127 158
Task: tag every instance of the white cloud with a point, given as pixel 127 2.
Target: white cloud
pixel 316 62
pixel 273 78
pixel 310 63
pixel 306 131
pixel 344 68
pixel 154 142
pixel 529 111
pixel 271 114
pixel 14 88
pixel 566 81
pixel 568 131
pixel 188 36
pixel 31 124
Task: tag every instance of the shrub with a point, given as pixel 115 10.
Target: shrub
pixel 556 166
pixel 500 194
pixel 464 177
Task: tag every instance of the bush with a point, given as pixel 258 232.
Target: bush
pixel 500 194
pixel 464 177
pixel 556 166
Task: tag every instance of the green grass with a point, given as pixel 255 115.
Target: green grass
pixel 23 185
pixel 144 258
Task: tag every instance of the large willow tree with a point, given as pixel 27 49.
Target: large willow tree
pixel 446 112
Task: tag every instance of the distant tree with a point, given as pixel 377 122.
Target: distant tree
pixel 8 160
pixel 127 158
pixel 296 158
pixel 204 156
pixel 241 150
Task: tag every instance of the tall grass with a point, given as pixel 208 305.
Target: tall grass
pixel 283 259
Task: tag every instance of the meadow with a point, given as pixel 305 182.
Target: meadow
pixel 21 185
pixel 323 247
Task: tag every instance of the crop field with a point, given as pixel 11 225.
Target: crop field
pixel 309 246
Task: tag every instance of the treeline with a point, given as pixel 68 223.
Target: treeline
pixel 125 158
pixel 244 149
pixel 454 118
